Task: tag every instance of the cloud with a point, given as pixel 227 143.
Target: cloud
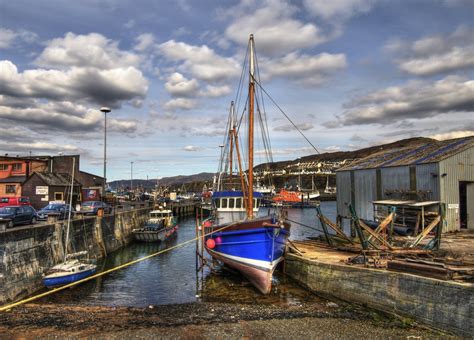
pixel 437 54
pixel 338 9
pixel 144 42
pixel 103 87
pixel 453 134
pixel 201 61
pixel 178 86
pixel 305 69
pixel 271 22
pixel 289 127
pixel 332 148
pixel 180 103
pixel 216 91
pixel 416 100
pixel 8 37
pixel 192 148
pixel 91 50
pixel 39 147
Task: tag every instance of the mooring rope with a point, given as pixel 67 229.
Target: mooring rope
pixel 55 290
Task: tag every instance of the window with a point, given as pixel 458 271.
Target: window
pixel 16 167
pixel 218 203
pixel 58 196
pixel 231 202
pixel 254 203
pixel 238 203
pixel 3 167
pixel 224 203
pixel 10 189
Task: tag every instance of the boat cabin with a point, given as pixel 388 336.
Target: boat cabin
pixel 230 205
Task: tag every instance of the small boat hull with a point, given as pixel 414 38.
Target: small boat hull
pixel 149 235
pixel 51 281
pixel 254 252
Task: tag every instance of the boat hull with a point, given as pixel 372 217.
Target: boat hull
pixel 67 278
pixel 144 235
pixel 254 249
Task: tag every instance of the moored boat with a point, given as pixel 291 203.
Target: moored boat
pixel 160 226
pixel 235 235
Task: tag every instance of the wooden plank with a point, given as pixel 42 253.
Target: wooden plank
pixel 383 225
pixel 375 235
pixel 426 231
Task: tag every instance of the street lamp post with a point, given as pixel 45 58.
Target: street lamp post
pixel 105 110
pixel 131 176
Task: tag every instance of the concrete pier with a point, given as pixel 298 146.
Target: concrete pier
pixel 27 252
pixel 445 305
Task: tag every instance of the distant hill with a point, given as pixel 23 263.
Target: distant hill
pixel 195 182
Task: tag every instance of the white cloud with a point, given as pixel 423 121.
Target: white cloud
pixel 309 70
pixel 109 86
pixel 201 61
pixel 91 50
pixel 416 100
pixel 39 147
pixel 271 22
pixel 144 42
pixel 180 103
pixel 435 54
pixel 338 9
pixel 289 127
pixel 178 86
pixel 192 148
pixel 453 134
pixel 216 91
pixel 8 37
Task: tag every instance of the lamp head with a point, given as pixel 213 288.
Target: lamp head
pixel 105 109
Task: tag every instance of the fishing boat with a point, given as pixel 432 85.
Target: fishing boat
pixel 160 226
pixel 235 235
pixel 70 270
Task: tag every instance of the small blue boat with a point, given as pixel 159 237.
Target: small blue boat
pixel 68 272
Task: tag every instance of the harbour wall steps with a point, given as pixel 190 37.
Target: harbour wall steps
pixel 445 305
pixel 27 252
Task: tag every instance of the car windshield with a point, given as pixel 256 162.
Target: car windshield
pixel 53 207
pixel 8 210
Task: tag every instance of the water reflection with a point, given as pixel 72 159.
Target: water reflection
pixel 171 277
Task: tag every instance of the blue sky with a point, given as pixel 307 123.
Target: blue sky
pixel 349 73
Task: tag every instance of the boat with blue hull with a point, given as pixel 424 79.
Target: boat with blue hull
pixel 235 235
pixel 68 272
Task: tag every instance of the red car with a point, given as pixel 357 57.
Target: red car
pixel 9 201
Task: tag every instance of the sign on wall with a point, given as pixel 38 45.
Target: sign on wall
pixel 41 190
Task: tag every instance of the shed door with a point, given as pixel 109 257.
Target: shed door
pixel 470 205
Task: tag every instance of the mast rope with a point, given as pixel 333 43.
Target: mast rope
pixel 286 116
pixel 55 290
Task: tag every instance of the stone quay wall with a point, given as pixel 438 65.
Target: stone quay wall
pixel 27 252
pixel 445 305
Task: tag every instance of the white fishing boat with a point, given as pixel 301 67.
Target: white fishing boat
pixel 160 226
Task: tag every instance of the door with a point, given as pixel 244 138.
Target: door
pixel 470 205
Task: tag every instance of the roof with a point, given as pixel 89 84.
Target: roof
pixel 430 152
pixel 56 179
pixel 410 203
pixel 13 179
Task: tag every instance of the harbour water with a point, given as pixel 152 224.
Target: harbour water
pixel 170 278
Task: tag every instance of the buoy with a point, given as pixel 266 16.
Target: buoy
pixel 210 243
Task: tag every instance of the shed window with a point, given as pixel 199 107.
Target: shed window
pixel 224 203
pixel 3 167
pixel 58 196
pixel 10 189
pixel 231 202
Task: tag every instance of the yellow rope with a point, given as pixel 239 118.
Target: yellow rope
pixel 21 302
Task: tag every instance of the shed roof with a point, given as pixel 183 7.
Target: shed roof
pixel 55 179
pixel 13 179
pixel 431 152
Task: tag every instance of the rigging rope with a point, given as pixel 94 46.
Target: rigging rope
pixel 286 116
pixel 55 290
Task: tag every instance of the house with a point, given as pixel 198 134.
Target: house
pixel 437 173
pixel 15 170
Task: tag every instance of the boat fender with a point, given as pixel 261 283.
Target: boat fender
pixel 210 243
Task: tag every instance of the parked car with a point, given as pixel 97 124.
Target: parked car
pixel 55 208
pixel 9 201
pixel 92 207
pixel 19 214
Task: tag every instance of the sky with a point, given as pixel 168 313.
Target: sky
pixel 349 74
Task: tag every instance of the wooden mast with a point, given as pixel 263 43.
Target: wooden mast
pixel 231 137
pixel 249 207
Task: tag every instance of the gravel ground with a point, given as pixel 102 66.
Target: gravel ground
pixel 207 321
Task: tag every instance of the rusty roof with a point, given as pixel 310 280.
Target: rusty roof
pixel 431 152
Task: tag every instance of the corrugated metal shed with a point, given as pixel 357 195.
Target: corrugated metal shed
pixel 421 154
